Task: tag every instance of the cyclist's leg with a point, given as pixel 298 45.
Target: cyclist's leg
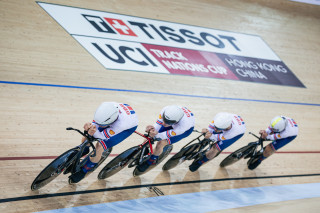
pixel 276 145
pixel 159 149
pixel 154 157
pixel 100 148
pixel 88 166
pixel 213 152
pixel 220 146
pixel 161 144
pixel 269 150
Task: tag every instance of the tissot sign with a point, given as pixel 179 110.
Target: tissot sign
pixel 147 45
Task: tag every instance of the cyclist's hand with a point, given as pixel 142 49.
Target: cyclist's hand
pixel 205 130
pixel 92 129
pixel 149 128
pixel 263 134
pixel 153 133
pixel 87 126
pixel 208 135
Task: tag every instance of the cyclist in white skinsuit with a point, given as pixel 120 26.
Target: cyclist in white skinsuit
pixel 226 129
pixel 174 123
pixel 282 130
pixel 113 123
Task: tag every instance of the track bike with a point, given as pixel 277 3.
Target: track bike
pixel 249 151
pixel 134 157
pixel 190 151
pixel 70 161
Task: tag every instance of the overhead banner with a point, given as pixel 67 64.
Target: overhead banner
pixel 124 42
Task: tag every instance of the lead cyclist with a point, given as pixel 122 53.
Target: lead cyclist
pixel 282 130
pixel 113 123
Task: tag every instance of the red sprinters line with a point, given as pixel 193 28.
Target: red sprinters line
pixel 37 157
pixel 113 155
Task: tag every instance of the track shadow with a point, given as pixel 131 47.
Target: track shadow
pixel 162 177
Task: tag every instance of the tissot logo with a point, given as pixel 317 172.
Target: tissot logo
pixel 146 45
pixel 163 32
pixel 98 23
pixel 101 26
pixel 120 26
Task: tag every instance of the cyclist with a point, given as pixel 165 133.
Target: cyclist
pixel 282 130
pixel 226 129
pixel 113 122
pixel 174 124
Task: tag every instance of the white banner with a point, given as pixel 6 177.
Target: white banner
pixel 122 42
pixel 99 24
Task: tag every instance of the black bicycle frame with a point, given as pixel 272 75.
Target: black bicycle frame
pixel 259 142
pixel 76 165
pixel 197 138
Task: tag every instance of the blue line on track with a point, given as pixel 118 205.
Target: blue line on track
pixel 156 93
pixel 205 201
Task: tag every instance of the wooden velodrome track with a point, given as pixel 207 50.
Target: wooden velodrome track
pixel 37 50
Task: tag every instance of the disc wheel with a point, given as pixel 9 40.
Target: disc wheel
pixel 119 162
pixel 54 169
pixel 181 156
pixel 236 156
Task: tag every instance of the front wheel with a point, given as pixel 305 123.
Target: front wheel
pixel 55 168
pixel 236 156
pixel 181 156
pixel 119 162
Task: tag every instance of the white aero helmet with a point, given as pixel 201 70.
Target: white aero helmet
pixel 222 120
pixel 172 114
pixel 106 114
pixel 278 123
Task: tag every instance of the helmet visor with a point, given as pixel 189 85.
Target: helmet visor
pixel 275 130
pixel 221 129
pixel 103 125
pixel 167 121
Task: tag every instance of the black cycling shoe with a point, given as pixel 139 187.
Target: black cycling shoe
pixel 254 165
pixel 77 177
pixel 143 167
pixel 254 162
pixel 195 165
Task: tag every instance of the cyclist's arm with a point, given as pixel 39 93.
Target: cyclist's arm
pixel 158 124
pixel 281 135
pixel 273 137
pixel 211 128
pixel 170 133
pixel 215 137
pixel 268 130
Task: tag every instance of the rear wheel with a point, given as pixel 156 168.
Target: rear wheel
pixel 236 155
pixel 181 156
pixel 55 168
pixel 119 162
